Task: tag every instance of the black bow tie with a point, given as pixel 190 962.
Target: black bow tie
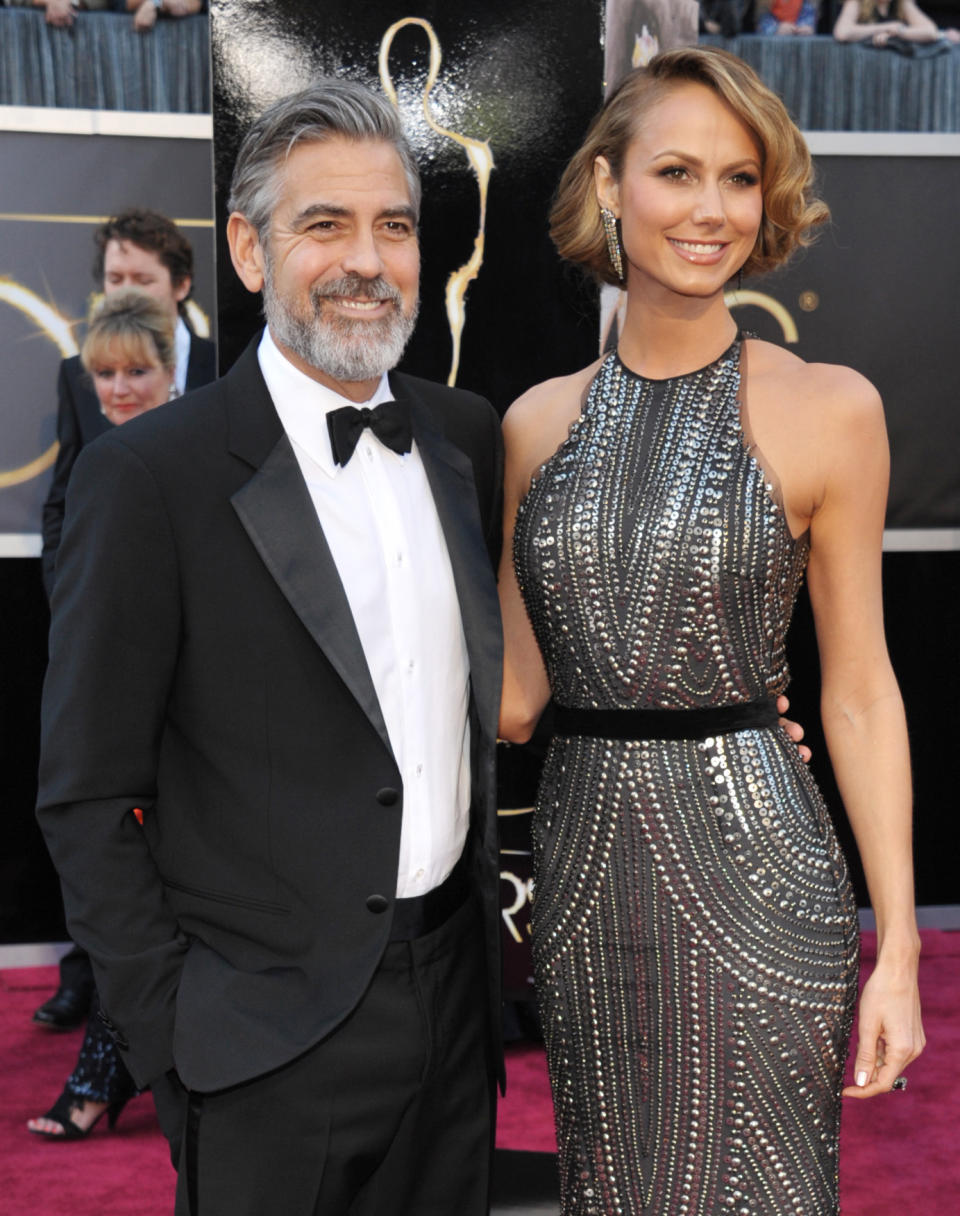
pixel 389 421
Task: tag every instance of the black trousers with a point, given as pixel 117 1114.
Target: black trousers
pixel 76 971
pixel 391 1115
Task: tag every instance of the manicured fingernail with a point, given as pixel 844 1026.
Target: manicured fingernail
pixel 861 1079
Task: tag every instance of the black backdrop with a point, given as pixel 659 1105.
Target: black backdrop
pixel 524 79
pixel 878 291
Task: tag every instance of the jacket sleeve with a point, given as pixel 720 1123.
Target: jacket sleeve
pixel 493 516
pixel 113 645
pixel 68 437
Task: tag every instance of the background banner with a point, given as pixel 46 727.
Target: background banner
pixel 55 189
pixel 878 291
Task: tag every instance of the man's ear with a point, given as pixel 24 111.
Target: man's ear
pixel 246 252
pixel 182 289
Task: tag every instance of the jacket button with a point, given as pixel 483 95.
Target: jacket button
pixel 387 796
pixel 378 903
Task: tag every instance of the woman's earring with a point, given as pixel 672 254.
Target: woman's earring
pixel 613 241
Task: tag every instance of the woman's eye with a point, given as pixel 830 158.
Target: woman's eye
pixel 674 172
pixel 744 179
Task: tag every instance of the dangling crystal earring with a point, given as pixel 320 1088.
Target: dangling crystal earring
pixel 613 241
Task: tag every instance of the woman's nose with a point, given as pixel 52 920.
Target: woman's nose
pixel 709 205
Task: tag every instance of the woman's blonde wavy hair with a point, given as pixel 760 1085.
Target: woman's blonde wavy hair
pixel 133 323
pixel 790 207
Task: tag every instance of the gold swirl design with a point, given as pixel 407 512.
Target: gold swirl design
pixel 480 158
pixel 60 332
pixel 733 299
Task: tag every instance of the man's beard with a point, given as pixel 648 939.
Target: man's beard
pixel 341 347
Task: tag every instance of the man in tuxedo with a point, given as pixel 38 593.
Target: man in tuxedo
pixel 275 634
pixel 142 249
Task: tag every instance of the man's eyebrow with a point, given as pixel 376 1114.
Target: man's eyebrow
pixel 337 211
pixel 402 212
pixel 333 210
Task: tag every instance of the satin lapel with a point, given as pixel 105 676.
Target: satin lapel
pixel 276 511
pixel 450 475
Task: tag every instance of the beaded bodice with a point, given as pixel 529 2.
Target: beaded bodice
pixel 656 565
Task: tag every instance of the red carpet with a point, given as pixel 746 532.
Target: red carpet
pixel 899 1153
pixel 126 1173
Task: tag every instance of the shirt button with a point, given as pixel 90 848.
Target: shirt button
pixel 419 770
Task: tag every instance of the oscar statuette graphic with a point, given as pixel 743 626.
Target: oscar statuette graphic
pixel 742 297
pixel 59 330
pixel 480 158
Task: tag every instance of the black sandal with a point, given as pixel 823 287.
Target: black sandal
pixel 61 1111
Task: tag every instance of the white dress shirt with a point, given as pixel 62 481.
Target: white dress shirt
pixel 181 348
pixel 380 521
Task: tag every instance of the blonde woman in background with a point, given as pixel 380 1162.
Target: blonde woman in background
pixel 880 20
pixel 129 355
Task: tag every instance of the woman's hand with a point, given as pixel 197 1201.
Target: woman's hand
pixel 59 12
pixel 891 1030
pixel 793 729
pixel 145 17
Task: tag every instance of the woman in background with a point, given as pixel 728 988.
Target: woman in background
pixel 880 20
pixel 695 933
pixel 785 17
pixel 130 357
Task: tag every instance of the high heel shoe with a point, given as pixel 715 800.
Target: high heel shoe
pixel 61 1111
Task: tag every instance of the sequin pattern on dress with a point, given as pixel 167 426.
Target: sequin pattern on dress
pixel 694 930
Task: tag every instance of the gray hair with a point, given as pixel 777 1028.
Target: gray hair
pixel 330 108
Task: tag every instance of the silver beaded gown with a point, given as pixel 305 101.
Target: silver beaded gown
pixel 694 929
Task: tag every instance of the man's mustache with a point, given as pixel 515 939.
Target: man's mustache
pixel 356 286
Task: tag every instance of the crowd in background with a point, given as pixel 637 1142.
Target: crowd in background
pixel 145 12
pixel 900 24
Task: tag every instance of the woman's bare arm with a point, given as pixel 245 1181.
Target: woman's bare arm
pixel 862 713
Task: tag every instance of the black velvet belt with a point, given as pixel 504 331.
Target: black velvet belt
pixel 665 723
pixel 421 914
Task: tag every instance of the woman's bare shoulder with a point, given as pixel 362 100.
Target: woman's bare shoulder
pixel 825 388
pixel 548 397
pixel 539 421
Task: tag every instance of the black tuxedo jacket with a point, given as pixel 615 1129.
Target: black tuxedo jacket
pixel 205 668
pixel 78 421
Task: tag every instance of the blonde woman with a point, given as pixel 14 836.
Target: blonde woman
pixel 878 21
pixel 129 355
pixel 695 934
